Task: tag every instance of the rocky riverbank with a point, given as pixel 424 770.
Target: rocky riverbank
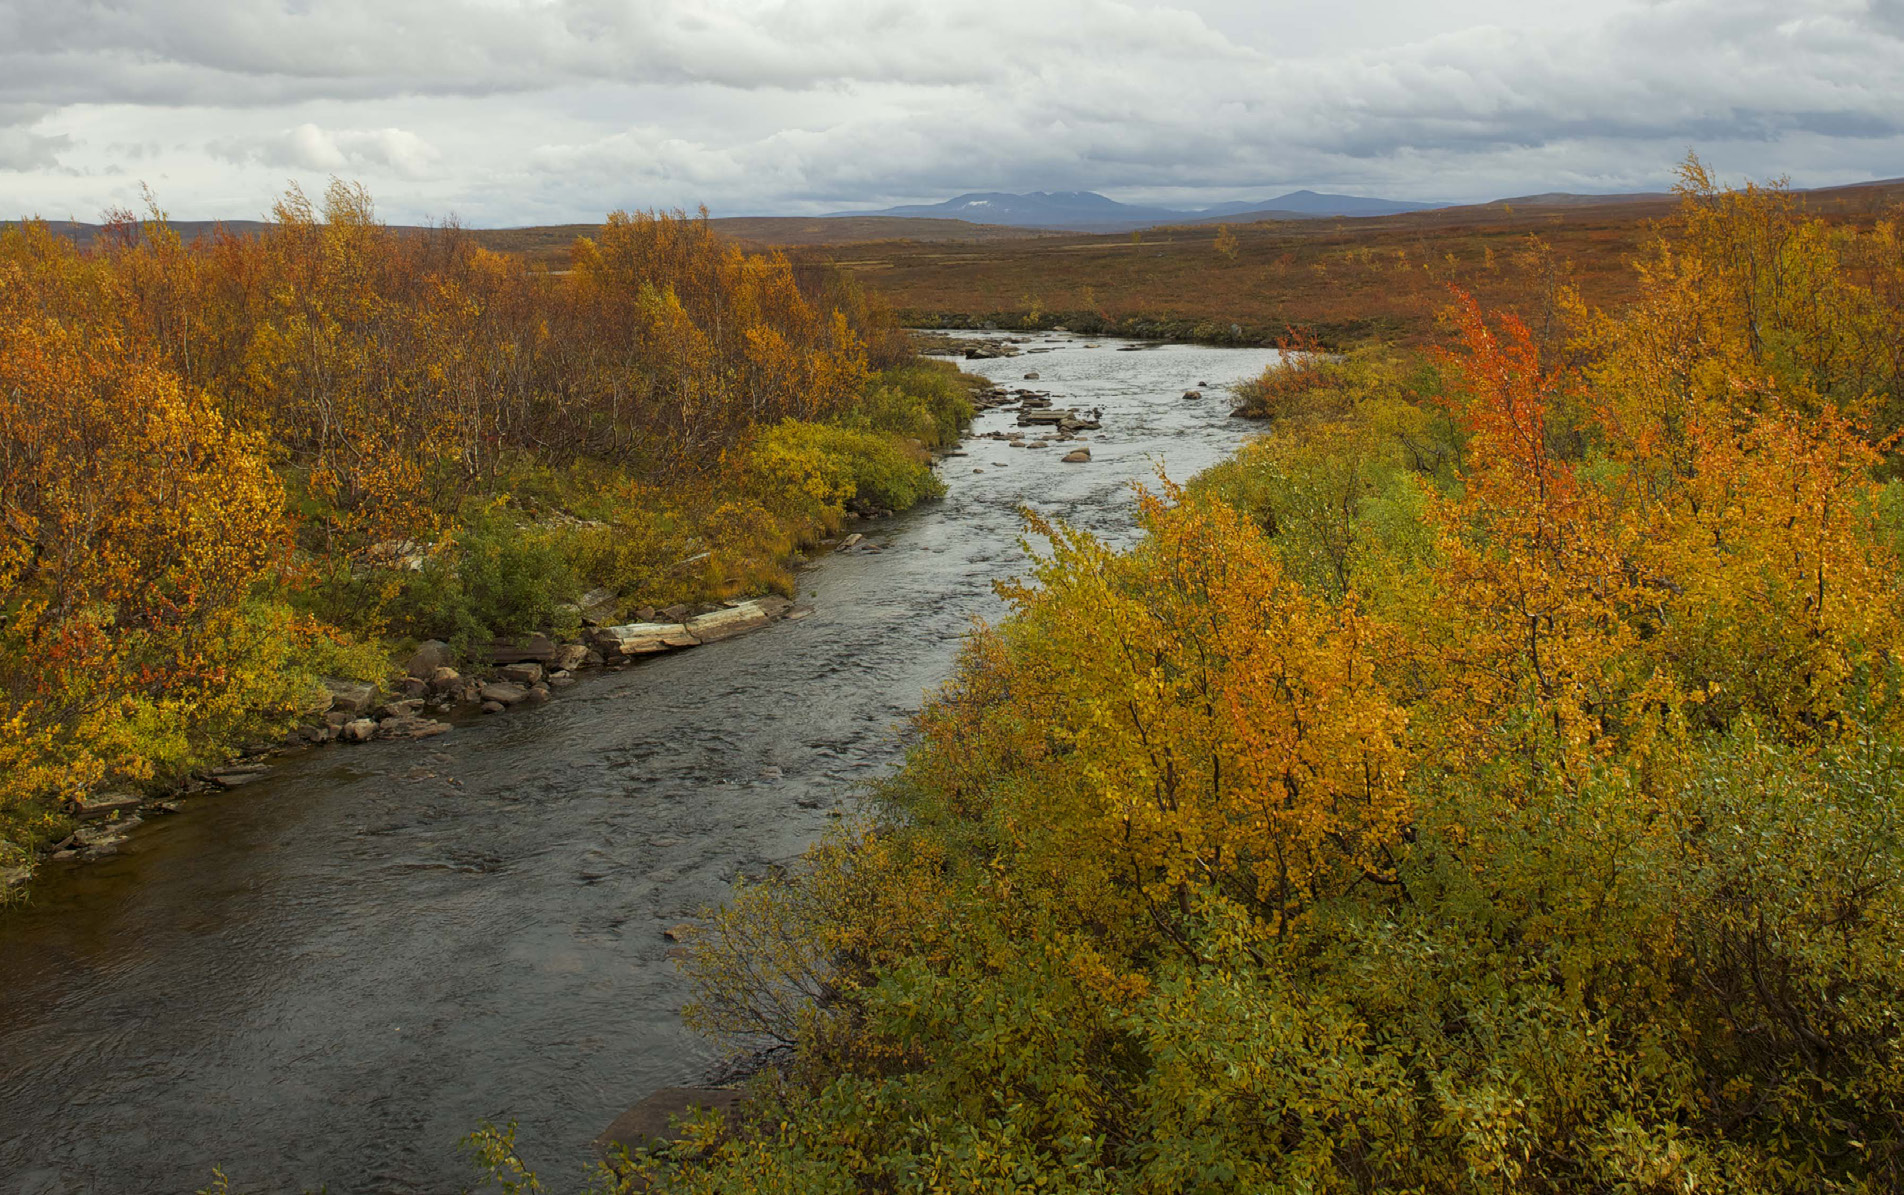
pixel 421 703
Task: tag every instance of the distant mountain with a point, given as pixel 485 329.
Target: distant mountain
pixel 1040 209
pixel 1316 203
pixel 1087 211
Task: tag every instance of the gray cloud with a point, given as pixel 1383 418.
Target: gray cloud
pixel 529 110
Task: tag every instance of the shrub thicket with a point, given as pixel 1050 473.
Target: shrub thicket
pixel 230 468
pixel 1489 781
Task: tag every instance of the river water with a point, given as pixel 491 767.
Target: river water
pixel 328 977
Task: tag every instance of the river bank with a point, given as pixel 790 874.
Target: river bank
pixel 333 973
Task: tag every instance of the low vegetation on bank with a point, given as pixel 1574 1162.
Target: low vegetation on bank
pixel 1488 781
pixel 228 470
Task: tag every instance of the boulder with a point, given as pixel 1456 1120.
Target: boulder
pixel 413 686
pixel 362 730
pixel 597 606
pixel 493 707
pixel 522 674
pixel 571 657
pixel 1077 456
pixel 430 655
pixel 725 624
pixel 444 679
pixel 642 638
pixel 1032 376
pixel 537 647
pixel 1193 394
pixel 537 694
pixel 648 1123
pixel 402 709
pixel 504 693
pixel 351 696
pixel 100 805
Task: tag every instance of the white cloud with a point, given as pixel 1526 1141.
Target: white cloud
pixel 335 151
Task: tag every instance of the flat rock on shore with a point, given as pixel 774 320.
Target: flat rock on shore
pixel 648 1123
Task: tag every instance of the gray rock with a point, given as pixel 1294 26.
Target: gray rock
pixel 522 674
pixel 402 709
pixel 351 696
pixel 537 694
pixel 571 657
pixel 444 679
pixel 493 707
pixel 89 808
pixel 430 655
pixel 537 647
pixel 362 730
pixel 598 606
pixel 504 693
pixel 412 686
pixel 642 638
pixel 725 624
pixel 648 1123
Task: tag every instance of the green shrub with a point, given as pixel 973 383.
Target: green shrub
pixel 929 401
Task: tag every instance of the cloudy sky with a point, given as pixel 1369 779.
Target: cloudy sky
pixel 511 112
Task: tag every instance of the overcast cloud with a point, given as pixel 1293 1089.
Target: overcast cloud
pixel 540 111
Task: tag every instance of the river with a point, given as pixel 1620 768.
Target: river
pixel 328 977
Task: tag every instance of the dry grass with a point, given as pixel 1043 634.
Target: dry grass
pixel 549 244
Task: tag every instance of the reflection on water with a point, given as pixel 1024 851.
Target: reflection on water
pixel 329 976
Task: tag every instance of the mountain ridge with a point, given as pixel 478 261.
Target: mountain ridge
pixel 1090 211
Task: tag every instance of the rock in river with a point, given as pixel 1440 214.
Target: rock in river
pixel 504 692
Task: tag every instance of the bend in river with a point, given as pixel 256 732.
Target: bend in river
pixel 332 975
